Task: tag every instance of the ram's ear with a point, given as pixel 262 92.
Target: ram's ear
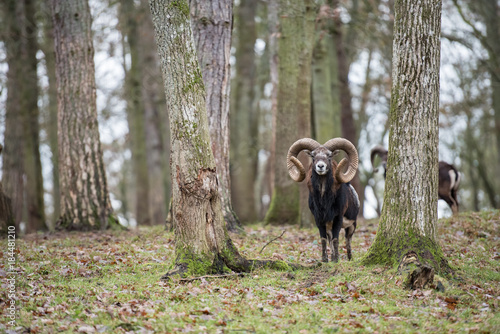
pixel 308 152
pixel 335 152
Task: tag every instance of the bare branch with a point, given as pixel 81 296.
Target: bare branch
pixel 271 241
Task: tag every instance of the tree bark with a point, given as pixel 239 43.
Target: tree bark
pixel 325 94
pixel 22 165
pixel 51 128
pixel 346 113
pixel 243 115
pixel 409 213
pixel 274 26
pixel 285 205
pixel 304 101
pixel 135 112
pixel 6 216
pixel 33 165
pixel 85 201
pixel 202 243
pixel 153 98
pixel 212 24
pixel 491 19
pixel 13 163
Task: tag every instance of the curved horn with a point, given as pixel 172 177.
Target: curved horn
pixel 382 153
pixel 295 168
pixel 352 158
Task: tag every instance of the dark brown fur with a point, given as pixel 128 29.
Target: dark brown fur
pixel 331 203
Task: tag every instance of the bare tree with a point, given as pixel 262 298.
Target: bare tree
pixel 212 24
pixel 409 213
pixel 202 242
pixel 22 166
pixel 285 208
pixel 243 115
pixel 85 201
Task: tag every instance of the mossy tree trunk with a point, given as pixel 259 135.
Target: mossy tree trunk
pixel 85 200
pixel 285 204
pixel 304 101
pixel 212 24
pixel 202 242
pixel 346 113
pixel 325 93
pixel 23 180
pixel 409 213
pixel 244 116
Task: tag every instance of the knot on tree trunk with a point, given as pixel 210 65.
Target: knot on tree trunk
pixel 418 275
pixel 205 186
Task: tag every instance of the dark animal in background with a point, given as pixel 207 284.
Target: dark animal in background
pixel 332 200
pixel 449 178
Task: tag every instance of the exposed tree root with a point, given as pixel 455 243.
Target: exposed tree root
pixel 230 258
pixel 212 276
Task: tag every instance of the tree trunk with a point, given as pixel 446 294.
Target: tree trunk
pixel 273 23
pixel 13 162
pixel 135 112
pixel 243 115
pixel 409 213
pixel 154 111
pixel 32 163
pixel 51 127
pixel 304 101
pixel 85 201
pixel 325 92
pixel 6 216
pixel 346 113
pixel 285 205
pixel 492 22
pixel 202 242
pixel 262 186
pixel 22 167
pixel 212 24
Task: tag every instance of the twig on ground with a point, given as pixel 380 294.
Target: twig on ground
pixel 212 276
pixel 272 241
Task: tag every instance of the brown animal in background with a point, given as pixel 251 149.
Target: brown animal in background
pixel 449 178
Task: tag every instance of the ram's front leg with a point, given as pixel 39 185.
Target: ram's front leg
pixel 349 231
pixel 335 231
pixel 329 233
pixel 324 253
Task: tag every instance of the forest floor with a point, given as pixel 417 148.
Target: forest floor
pixel 109 283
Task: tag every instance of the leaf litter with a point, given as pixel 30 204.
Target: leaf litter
pixel 109 282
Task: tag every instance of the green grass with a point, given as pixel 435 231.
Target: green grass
pixel 109 282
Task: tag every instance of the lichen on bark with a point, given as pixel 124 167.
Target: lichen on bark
pixel 202 242
pixel 410 200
